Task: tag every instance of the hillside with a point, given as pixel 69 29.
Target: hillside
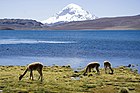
pixel 19 24
pixel 114 23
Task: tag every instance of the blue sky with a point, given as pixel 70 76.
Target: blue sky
pixel 43 9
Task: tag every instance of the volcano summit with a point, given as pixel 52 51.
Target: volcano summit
pixel 71 12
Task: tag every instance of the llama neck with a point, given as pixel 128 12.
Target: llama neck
pixel 25 72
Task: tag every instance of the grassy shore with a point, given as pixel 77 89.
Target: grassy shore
pixel 62 79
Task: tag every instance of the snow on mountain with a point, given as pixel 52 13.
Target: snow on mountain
pixel 71 12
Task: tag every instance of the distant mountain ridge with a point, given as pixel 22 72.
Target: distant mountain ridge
pixel 111 23
pixel 11 24
pixel 71 12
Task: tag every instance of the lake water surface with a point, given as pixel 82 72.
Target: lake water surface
pixel 76 48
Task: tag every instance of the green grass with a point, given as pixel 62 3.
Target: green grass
pixel 62 79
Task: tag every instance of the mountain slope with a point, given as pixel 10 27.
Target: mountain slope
pixel 114 23
pixel 71 12
pixel 19 24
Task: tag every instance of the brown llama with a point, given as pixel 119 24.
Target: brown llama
pixel 92 65
pixel 107 64
pixel 33 66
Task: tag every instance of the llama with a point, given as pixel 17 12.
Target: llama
pixel 107 64
pixel 91 66
pixel 33 66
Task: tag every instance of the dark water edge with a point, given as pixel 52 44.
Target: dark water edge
pixel 75 48
pixel 75 63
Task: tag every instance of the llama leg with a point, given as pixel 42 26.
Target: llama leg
pixel 105 69
pixel 97 68
pixel 40 74
pixel 31 75
pixel 111 70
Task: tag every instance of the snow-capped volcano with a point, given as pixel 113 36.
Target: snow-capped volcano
pixel 71 12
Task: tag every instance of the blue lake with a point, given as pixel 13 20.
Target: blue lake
pixel 75 48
